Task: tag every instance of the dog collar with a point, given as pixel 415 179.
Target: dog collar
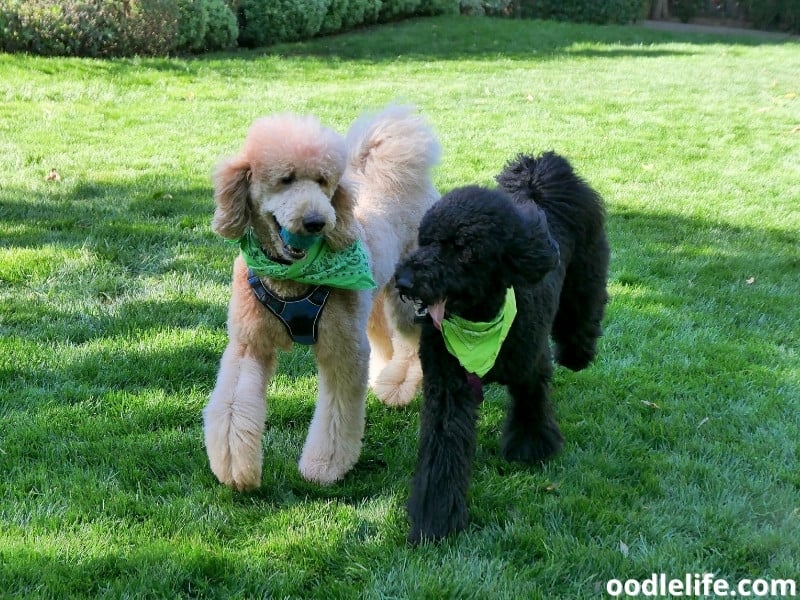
pixel 299 315
pixel 476 344
pixel 347 269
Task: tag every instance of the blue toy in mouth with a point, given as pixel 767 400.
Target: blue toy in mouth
pixel 296 240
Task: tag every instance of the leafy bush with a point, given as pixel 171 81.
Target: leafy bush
pixel 582 11
pixel 223 30
pixel 392 9
pixel 774 14
pixel 346 14
pixel 192 24
pixel 264 22
pixel 88 27
pixel 438 7
pixel 686 10
pixel 487 7
pixel 206 25
pixel 159 27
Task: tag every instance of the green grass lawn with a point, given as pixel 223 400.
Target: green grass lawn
pixel 683 439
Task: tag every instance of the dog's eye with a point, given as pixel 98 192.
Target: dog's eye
pixel 288 179
pixel 322 181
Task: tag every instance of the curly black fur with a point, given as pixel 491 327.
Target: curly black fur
pixel 543 233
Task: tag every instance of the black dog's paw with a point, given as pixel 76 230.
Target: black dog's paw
pixel 436 516
pixel 574 357
pixel 427 530
pixel 523 445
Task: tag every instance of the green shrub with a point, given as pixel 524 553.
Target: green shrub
pixel 774 14
pixel 393 9
pixel 335 17
pixel 369 10
pixel 479 8
pixel 686 10
pixel 206 25
pixel 582 11
pixel 346 14
pixel 264 22
pixel 88 27
pixel 438 7
pixel 192 24
pixel 223 30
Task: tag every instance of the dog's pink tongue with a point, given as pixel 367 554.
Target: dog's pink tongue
pixel 436 311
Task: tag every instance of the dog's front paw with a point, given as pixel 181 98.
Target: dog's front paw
pixel 575 357
pixel 237 465
pixel 239 476
pixel 525 445
pixel 326 467
pixel 436 516
pixel 233 444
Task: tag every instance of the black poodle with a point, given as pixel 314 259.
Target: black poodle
pixel 496 274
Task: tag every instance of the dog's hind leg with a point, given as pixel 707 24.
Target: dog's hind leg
pixel 398 381
pixel 379 333
pixel 581 306
pixel 531 433
pixel 234 417
pixel 334 437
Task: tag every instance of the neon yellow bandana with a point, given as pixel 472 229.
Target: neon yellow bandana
pixel 348 269
pixel 476 345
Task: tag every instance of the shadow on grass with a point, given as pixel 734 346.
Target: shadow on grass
pixel 446 38
pixel 675 277
pixel 147 208
pixel 458 38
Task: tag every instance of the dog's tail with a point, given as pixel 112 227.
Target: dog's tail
pixel 550 181
pixel 576 219
pixel 391 156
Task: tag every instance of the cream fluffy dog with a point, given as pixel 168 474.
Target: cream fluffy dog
pixel 296 175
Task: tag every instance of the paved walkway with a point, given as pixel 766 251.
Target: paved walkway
pixel 716 29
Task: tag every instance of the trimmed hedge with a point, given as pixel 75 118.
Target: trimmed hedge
pixel 102 28
pixel 781 15
pixel 263 23
pixel 160 27
pixel 774 14
pixel 582 11
pixel 206 25
pixel 88 28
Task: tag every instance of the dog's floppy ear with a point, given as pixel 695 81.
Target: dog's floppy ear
pixel 344 203
pixel 532 253
pixel 231 194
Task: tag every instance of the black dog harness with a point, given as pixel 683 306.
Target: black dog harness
pixel 299 315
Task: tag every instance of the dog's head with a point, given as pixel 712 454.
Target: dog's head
pixel 287 184
pixel 474 244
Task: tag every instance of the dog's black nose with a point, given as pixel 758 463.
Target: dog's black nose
pixel 313 223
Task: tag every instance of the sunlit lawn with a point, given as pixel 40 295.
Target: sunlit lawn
pixel 683 439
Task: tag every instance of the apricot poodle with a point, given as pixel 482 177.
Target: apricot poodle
pixel 295 188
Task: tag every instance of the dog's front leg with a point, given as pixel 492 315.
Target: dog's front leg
pixel 438 503
pixel 333 444
pixel 234 417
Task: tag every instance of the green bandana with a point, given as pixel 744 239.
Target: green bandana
pixel 476 345
pixel 348 269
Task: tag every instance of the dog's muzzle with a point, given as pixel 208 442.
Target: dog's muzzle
pixel 404 285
